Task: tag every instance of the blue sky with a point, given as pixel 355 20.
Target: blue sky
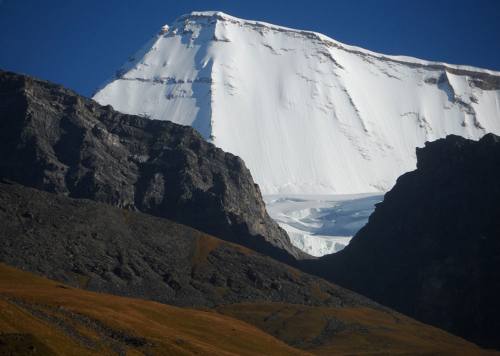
pixel 80 43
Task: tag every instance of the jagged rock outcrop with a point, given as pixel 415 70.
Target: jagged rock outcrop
pixel 431 249
pixel 55 140
pixel 94 246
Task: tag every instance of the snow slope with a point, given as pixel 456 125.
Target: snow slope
pixel 308 114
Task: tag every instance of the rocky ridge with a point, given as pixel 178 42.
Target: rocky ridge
pixel 431 249
pixel 55 140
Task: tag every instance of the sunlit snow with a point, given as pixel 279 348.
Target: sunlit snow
pixel 307 114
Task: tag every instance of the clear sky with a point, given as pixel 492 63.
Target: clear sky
pixel 80 43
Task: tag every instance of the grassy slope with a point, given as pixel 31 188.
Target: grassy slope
pixel 40 314
pixel 350 331
pixel 37 314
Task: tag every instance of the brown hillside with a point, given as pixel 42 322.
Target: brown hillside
pixel 47 317
pixel 43 317
pixel 350 330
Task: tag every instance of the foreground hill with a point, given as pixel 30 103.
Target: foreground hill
pixel 306 113
pixel 43 317
pixel 431 249
pixel 56 140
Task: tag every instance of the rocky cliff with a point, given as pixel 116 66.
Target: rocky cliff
pixel 58 141
pixel 431 249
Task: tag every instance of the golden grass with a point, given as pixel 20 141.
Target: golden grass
pixel 51 318
pixel 355 331
pixel 161 329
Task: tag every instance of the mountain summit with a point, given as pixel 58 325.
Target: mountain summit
pixel 306 113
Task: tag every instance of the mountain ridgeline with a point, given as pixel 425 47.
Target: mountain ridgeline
pixel 55 140
pixel 431 249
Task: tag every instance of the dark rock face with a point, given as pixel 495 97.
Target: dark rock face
pixel 55 140
pixel 107 249
pixel 431 249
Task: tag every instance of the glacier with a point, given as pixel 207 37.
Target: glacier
pixel 321 224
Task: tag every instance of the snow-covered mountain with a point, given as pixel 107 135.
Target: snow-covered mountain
pixel 306 113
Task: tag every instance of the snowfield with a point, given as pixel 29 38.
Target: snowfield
pixel 321 225
pixel 308 114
